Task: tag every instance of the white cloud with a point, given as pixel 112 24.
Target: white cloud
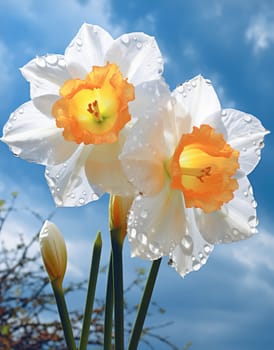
pixel 260 32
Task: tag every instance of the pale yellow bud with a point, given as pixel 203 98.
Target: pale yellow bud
pixel 53 251
pixel 118 213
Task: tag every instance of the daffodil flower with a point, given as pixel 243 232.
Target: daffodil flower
pixel 81 104
pixel 189 160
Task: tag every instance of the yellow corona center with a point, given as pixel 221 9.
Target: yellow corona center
pixel 202 167
pixel 95 109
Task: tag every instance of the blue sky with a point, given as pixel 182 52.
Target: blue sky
pixel 228 304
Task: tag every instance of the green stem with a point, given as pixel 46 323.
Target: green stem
pixel 94 269
pixel 109 309
pixel 63 313
pixel 117 263
pixel 143 307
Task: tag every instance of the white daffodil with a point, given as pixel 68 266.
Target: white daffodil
pixel 189 160
pixel 80 104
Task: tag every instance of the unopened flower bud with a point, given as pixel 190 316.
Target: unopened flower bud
pixel 118 212
pixel 54 252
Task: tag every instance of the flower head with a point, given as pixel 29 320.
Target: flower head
pixel 81 105
pixel 190 167
pixel 53 251
pixel 118 212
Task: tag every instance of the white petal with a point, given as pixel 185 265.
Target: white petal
pixel 236 220
pixel 35 137
pixel 196 103
pixel 46 75
pixel 149 98
pixel 68 182
pixel 246 134
pixel 193 251
pixel 104 169
pixel 156 224
pixel 138 57
pixel 87 49
pixel 144 154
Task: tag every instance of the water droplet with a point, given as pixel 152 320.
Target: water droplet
pixel 133 233
pixel 258 152
pixel 51 59
pixel 65 165
pixel 142 238
pixel 254 204
pixel 200 255
pixel 40 62
pixel 250 190
pixel 14 117
pixel 207 249
pixel 261 144
pixel 171 262
pixel 208 82
pixel 244 149
pixel 62 62
pixel 72 196
pixel 58 189
pixel 84 193
pixel 185 94
pixel 139 45
pixel 180 89
pixel 21 110
pixel 125 39
pixel 79 42
pixel 223 113
pixel 47 171
pixel 57 176
pixel 196 265
pixel 252 221
pixel 94 197
pixel 81 201
pixel 245 194
pixel 235 231
pixel 203 260
pixel 247 118
pixel 254 230
pixel 144 214
pixel 154 248
pixel 193 83
pixel 131 217
pixel 187 245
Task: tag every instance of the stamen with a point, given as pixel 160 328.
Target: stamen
pixel 203 167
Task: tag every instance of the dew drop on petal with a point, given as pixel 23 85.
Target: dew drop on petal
pixel 187 245
pixel 125 39
pixel 139 45
pixel 144 214
pixel 193 83
pixel 250 190
pixel 154 248
pixel 72 196
pixel 252 221
pixel 235 232
pixel 40 62
pixel 51 59
pixel 79 42
pixel 21 111
pixel 223 113
pixel 244 149
pixel 142 238
pixel 203 260
pixel 133 233
pixel 247 118
pixel 171 262
pixel 180 89
pixel 196 265
pixel 81 201
pixel 208 82
pixel 207 249
pixel 62 62
pixel 254 204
